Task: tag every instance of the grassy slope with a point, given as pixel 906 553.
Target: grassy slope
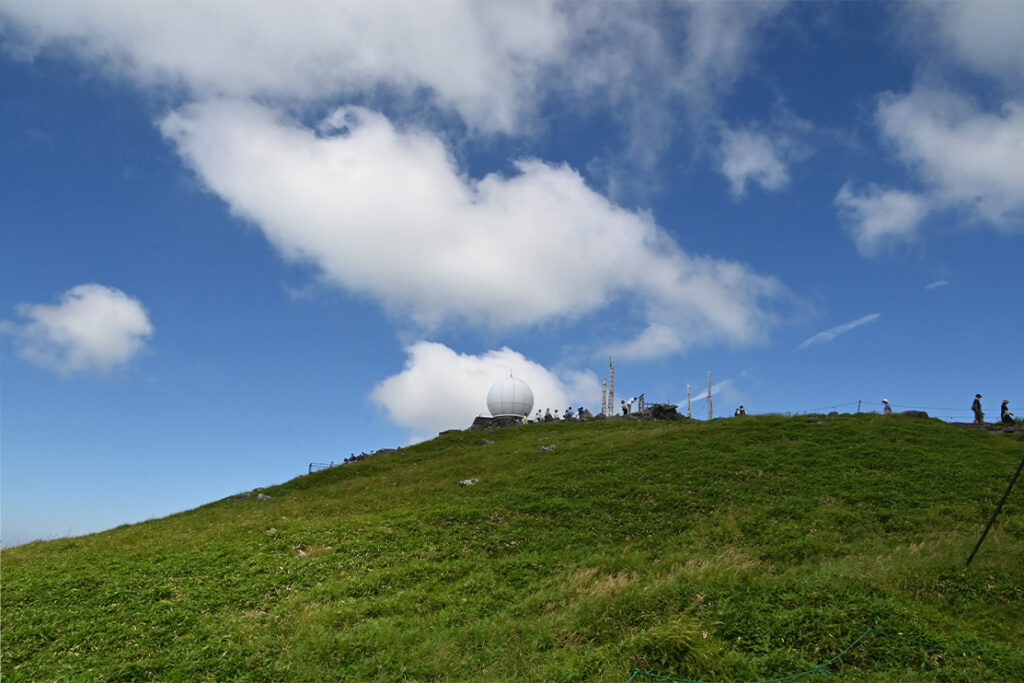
pixel 730 550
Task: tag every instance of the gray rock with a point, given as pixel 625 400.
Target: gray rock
pixel 548 448
pixel 484 442
pixel 468 482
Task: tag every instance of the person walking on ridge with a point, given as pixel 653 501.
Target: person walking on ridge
pixel 886 408
pixel 979 416
pixel 1004 413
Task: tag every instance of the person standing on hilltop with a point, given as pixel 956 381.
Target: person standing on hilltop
pixel 1004 413
pixel 886 408
pixel 979 417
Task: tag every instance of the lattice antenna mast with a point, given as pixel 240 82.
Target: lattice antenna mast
pixel 604 395
pixel 709 395
pixel 611 386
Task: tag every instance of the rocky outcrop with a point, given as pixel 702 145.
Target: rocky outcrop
pixel 482 422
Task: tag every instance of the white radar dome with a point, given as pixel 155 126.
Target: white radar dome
pixel 510 396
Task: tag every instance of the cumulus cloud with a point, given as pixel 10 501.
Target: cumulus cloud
pixel 92 328
pixel 833 332
pixel 385 212
pixel 440 389
pixel 879 217
pixel 378 205
pixel 968 158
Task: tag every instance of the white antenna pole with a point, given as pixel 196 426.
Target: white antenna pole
pixel 709 394
pixel 611 386
pixel 688 414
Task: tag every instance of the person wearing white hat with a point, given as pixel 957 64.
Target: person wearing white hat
pixel 886 408
pixel 979 417
pixel 1005 414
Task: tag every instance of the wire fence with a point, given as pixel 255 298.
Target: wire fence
pixel 823 667
pixel 856 406
pixel 873 406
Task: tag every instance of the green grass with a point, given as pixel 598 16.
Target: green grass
pixel 731 550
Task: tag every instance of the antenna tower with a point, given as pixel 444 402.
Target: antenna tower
pixel 611 387
pixel 709 395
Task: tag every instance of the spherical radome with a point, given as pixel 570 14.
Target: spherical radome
pixel 510 396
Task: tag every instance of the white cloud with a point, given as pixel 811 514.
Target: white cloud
pixel 986 36
pixel 381 209
pixel 440 389
pixel 482 59
pixel 936 284
pixel 751 157
pixel 492 63
pixel 967 158
pixel 833 332
pixel 878 217
pixel 92 328
pixel 652 57
pixel 385 212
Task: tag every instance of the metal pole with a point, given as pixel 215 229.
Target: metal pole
pixel 611 386
pixel 709 394
pixel 688 414
pixel 604 396
pixel 996 513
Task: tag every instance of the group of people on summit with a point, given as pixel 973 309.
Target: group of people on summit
pixel 1005 416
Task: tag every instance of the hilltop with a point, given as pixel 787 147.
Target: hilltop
pixel 740 549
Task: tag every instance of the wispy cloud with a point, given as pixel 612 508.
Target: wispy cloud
pixel 833 332
pixel 937 284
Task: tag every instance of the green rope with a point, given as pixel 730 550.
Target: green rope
pixel 822 668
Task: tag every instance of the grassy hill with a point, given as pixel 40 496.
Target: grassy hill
pixel 731 550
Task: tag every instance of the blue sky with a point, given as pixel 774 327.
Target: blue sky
pixel 238 241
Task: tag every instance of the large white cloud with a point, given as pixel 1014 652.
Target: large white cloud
pixel 492 63
pixel 380 208
pixel 482 59
pixel 93 328
pixel 440 389
pixel 386 213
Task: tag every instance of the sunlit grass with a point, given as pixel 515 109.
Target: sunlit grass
pixel 731 550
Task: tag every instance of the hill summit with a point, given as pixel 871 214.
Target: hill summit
pixel 741 549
